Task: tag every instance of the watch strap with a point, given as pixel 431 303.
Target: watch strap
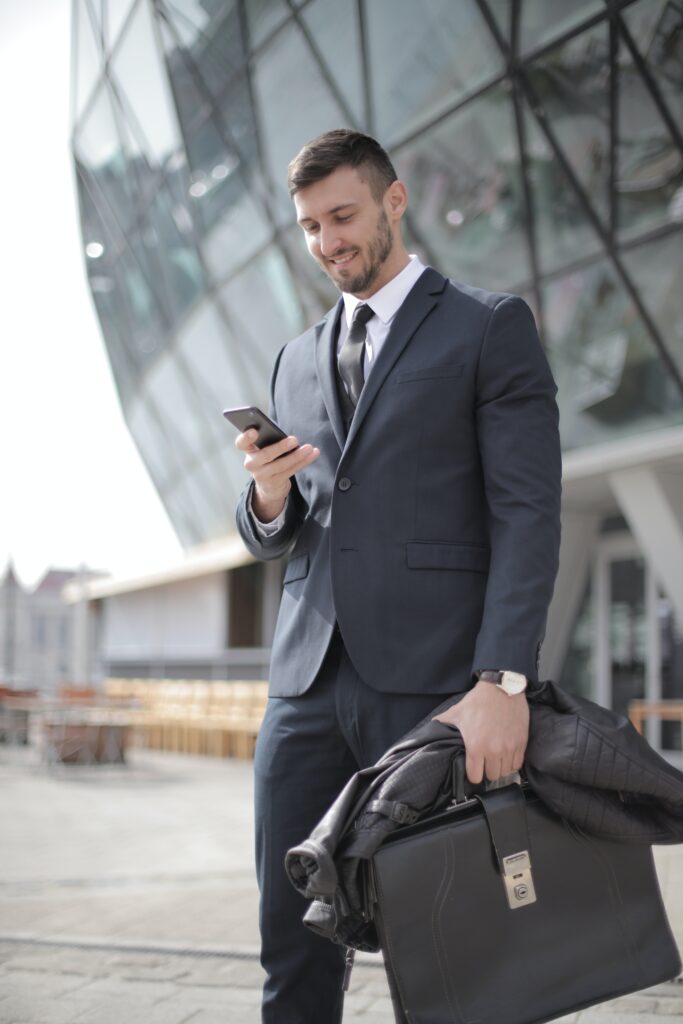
pixel 490 676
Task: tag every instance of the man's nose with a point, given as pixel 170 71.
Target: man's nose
pixel 329 241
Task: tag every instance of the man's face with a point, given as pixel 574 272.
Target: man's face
pixel 347 230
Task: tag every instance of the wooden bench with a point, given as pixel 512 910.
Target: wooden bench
pixel 664 710
pixel 219 718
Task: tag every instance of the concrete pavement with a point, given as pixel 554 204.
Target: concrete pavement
pixel 127 894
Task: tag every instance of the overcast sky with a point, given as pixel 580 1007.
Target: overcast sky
pixel 73 488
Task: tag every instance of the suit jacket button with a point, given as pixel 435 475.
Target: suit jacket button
pixel 344 483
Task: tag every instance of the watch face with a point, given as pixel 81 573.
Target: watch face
pixel 513 682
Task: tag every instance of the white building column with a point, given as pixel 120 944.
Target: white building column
pixel 579 533
pixel 80 638
pixel 651 501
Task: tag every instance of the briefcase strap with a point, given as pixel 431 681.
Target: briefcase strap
pixel 505 811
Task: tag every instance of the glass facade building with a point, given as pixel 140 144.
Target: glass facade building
pixel 542 145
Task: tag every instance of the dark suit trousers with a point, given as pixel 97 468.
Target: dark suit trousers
pixel 307 749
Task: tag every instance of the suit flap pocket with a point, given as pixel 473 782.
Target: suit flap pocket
pixel 296 569
pixel 445 371
pixel 472 557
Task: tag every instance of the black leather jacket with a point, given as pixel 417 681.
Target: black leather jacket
pixel 587 763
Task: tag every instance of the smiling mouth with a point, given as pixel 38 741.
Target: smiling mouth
pixel 339 261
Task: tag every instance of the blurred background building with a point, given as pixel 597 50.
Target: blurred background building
pixel 542 146
pixel 41 634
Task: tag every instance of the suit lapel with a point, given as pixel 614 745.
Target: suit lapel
pixel 326 365
pixel 420 301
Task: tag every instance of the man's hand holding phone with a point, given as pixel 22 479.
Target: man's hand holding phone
pixel 271 468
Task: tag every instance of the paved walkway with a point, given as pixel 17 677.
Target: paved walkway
pixel 127 895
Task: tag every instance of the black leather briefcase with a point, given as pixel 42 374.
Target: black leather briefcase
pixel 498 911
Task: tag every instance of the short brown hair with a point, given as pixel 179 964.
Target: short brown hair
pixel 341 147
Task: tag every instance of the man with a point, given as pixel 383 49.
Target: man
pixel 418 495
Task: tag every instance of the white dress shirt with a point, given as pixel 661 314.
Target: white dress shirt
pixel 385 304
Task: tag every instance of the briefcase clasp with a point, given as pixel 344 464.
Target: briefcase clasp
pixel 518 880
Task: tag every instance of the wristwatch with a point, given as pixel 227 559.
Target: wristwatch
pixel 509 682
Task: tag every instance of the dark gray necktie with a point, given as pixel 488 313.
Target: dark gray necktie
pixel 350 359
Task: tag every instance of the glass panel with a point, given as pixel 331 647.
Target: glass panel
pixel 294 104
pixel 137 269
pixel 263 310
pixel 572 83
pixel 222 369
pixel 671 646
pixel 610 380
pixel 204 47
pixel 187 84
pixel 181 414
pixel 657 269
pixel 627 631
pixel 424 57
pixel 263 16
pixel 502 12
pixel 239 230
pixel 122 366
pixel 88 56
pixel 543 20
pixel 213 164
pixel 215 511
pixel 117 12
pixel 129 315
pixel 160 456
pixel 98 151
pixel 465 191
pixel 183 515
pixel 578 671
pixel 174 253
pixel 334 27
pixel 657 29
pixel 650 165
pixel 138 71
pixel 563 232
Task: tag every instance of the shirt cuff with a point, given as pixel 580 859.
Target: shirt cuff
pixel 267 529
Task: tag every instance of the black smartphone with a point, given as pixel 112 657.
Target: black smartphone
pixel 246 416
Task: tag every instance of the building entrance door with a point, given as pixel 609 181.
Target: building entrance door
pixel 633 636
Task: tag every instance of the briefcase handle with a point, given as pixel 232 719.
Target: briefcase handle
pixel 505 811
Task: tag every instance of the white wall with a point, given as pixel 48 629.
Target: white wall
pixel 186 619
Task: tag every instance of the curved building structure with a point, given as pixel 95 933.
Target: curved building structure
pixel 542 146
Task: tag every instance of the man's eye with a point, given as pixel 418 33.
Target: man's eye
pixel 343 220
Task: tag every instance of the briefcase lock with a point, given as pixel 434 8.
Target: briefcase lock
pixel 518 880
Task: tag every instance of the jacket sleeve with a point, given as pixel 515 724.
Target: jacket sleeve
pixel 518 433
pixel 274 545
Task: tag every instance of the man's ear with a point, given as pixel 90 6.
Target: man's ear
pixel 396 200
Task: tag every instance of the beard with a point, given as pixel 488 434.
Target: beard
pixel 378 251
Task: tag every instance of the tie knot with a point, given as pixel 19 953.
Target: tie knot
pixel 362 314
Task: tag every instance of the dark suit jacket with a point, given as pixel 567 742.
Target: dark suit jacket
pixel 431 533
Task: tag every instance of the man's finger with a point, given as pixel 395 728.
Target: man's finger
pixel 264 456
pixel 518 759
pixel 494 767
pixel 285 466
pixel 246 441
pixel 474 766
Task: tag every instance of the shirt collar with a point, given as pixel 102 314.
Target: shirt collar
pixel 386 302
